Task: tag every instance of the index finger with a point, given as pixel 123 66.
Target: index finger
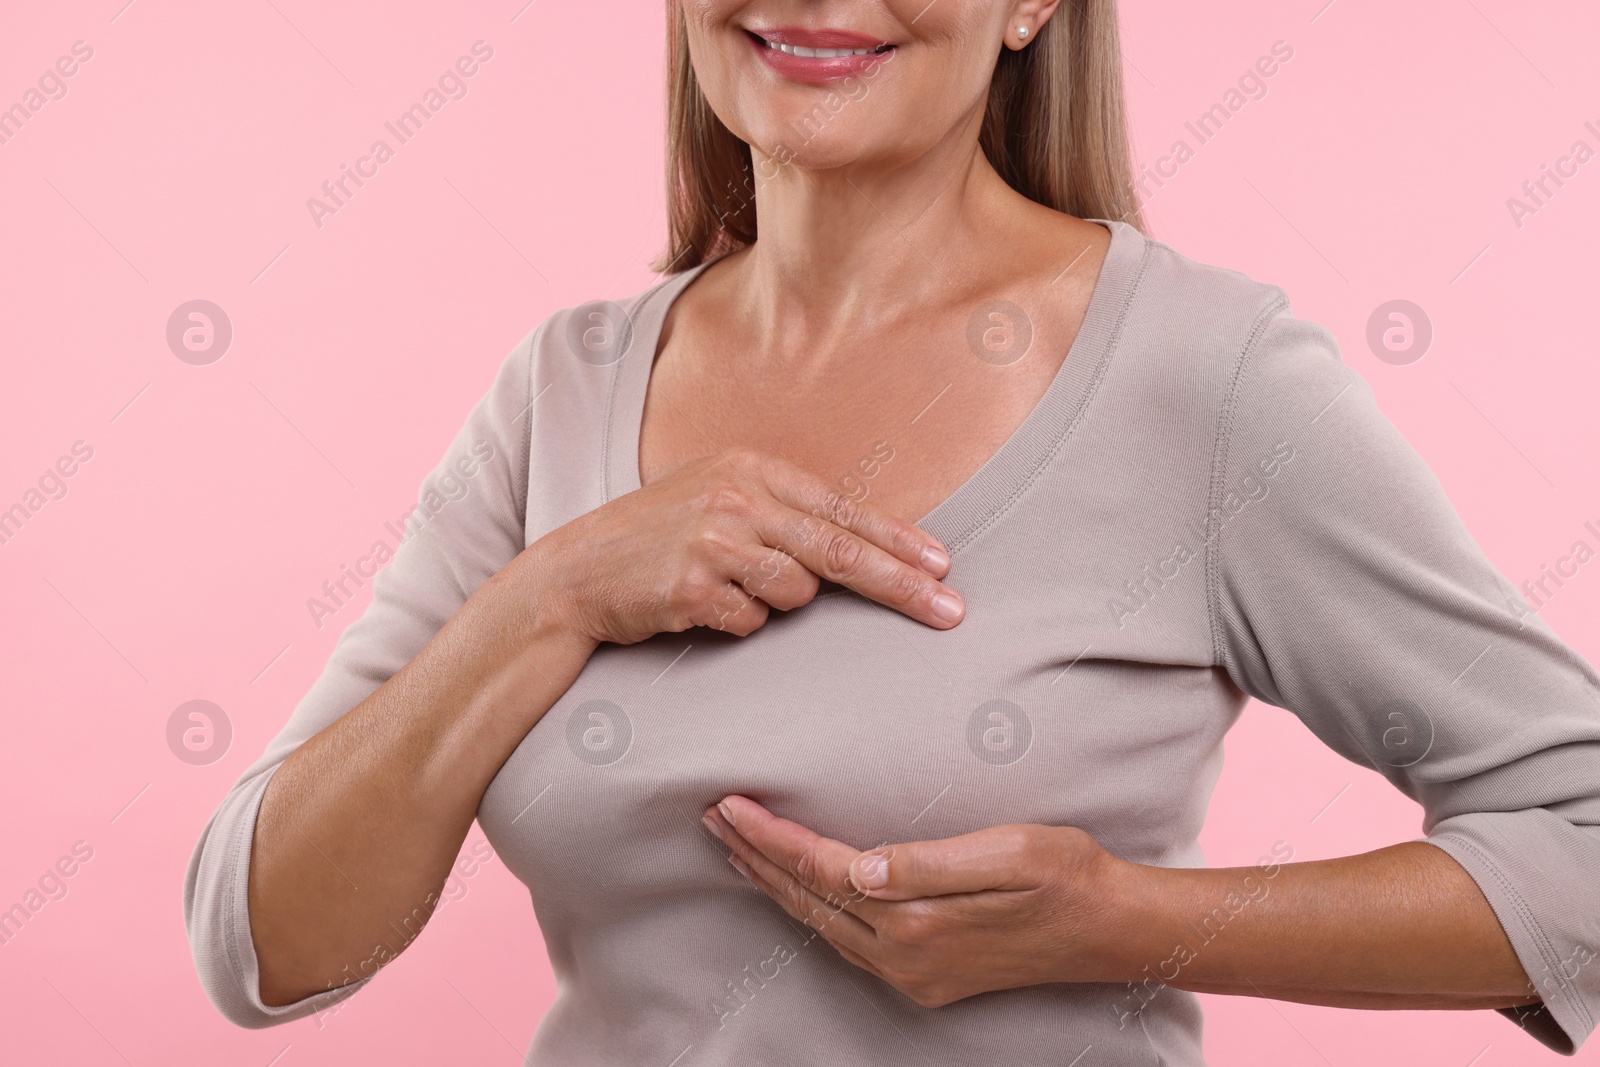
pixel 861 546
pixel 907 542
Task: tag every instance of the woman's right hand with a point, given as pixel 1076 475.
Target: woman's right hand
pixel 722 540
pixel 383 796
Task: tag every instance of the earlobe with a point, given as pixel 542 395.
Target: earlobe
pixel 1017 36
pixel 1027 21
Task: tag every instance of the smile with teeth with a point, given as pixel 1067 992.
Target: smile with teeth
pixel 823 53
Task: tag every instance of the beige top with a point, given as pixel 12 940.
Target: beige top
pixel 1205 504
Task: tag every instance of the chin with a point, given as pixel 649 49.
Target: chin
pixel 835 153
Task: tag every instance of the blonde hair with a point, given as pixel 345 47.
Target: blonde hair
pixel 1055 129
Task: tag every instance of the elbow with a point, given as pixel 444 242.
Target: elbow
pixel 216 920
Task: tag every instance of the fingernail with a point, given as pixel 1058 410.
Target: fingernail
pixel 711 824
pixel 935 560
pixel 872 872
pixel 727 812
pixel 740 866
pixel 947 606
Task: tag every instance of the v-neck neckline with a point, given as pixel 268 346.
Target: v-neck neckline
pixel 1002 479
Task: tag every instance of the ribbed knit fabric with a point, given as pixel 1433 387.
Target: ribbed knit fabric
pixel 1205 504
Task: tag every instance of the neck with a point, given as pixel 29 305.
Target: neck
pixel 856 247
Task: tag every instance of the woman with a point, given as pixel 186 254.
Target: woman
pixel 941 805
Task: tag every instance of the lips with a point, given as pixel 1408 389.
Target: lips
pixel 817 57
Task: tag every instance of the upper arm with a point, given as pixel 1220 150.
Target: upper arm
pixel 1344 587
pixel 468 523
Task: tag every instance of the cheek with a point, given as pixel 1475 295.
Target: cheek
pixel 715 52
pixel 711 27
pixel 959 38
pixel 944 72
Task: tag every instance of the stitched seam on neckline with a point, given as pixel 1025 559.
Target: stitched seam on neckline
pixel 614 387
pixel 1113 339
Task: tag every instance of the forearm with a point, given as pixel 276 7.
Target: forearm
pixel 1400 927
pixel 359 826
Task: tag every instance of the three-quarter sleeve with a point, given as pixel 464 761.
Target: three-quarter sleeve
pixel 467 524
pixel 1344 588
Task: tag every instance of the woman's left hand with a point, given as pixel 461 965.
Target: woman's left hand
pixel 1001 908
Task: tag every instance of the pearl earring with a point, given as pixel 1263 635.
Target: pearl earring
pixel 1022 31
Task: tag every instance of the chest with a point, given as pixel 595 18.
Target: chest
pixel 867 727
pixel 902 422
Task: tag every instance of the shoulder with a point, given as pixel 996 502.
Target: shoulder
pixel 1222 329
pixel 557 379
pixel 599 332
pixel 1203 307
pixel 559 391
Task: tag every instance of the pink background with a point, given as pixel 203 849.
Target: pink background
pixel 220 497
